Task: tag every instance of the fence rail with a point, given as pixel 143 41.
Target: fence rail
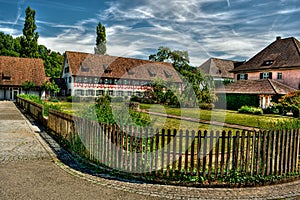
pixel 172 152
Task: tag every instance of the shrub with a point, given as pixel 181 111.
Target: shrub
pixel 69 99
pixel 134 98
pixel 271 110
pixel 236 101
pixel 250 110
pixel 206 106
pixel 54 100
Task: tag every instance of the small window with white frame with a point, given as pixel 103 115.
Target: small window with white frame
pixel 279 75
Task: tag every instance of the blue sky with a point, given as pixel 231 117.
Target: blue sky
pixel 228 29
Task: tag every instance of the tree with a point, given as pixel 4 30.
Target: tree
pixel 27 85
pixel 197 82
pixel 100 40
pixel 29 39
pixel 51 87
pixel 290 102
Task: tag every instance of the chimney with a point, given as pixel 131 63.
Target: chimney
pixel 278 38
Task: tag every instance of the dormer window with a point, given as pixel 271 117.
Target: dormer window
pixel 268 63
pixel 151 72
pixel 85 69
pixel 167 74
pixel 129 72
pixel 6 77
pixel 105 68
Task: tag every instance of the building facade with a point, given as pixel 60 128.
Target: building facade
pixel 279 61
pixel 92 75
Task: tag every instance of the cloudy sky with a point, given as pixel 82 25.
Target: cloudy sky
pixel 228 29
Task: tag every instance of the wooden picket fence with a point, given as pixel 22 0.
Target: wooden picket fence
pixel 172 152
pixel 202 153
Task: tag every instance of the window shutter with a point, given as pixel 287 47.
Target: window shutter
pixel 261 75
pixel 270 75
pixel 246 76
pixel 238 77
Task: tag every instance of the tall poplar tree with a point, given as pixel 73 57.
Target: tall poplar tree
pixel 100 40
pixel 29 43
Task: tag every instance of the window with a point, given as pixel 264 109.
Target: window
pixel 99 93
pixel 242 77
pixel 70 79
pixel 266 75
pixel 67 70
pixel 115 81
pixel 96 80
pixel 6 77
pixel 279 75
pixel 79 79
pixel 129 93
pixel 111 93
pixel 85 79
pixel 90 93
pixel 79 92
pixel 268 63
pixel 120 93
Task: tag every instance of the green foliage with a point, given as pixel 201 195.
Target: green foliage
pixel 69 98
pixel 27 46
pixel 30 37
pixel 196 88
pixel 37 100
pixel 9 46
pixel 236 101
pixel 290 102
pixel 281 124
pixel 206 106
pixel 103 113
pixel 27 85
pixel 51 87
pixel 53 61
pixel 250 110
pixel 100 40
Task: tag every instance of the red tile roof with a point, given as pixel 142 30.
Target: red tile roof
pixel 284 54
pixel 15 71
pixel 263 86
pixel 84 64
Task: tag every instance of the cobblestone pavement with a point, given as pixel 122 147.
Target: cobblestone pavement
pixel 34 166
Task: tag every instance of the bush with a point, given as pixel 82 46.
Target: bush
pixel 69 99
pixel 250 110
pixel 54 100
pixel 236 101
pixel 135 98
pixel 271 110
pixel 207 106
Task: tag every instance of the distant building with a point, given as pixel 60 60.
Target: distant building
pixel 273 71
pixel 220 69
pixel 91 75
pixel 15 71
pixel 279 61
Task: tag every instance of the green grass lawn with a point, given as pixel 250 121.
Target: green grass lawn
pixel 227 116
